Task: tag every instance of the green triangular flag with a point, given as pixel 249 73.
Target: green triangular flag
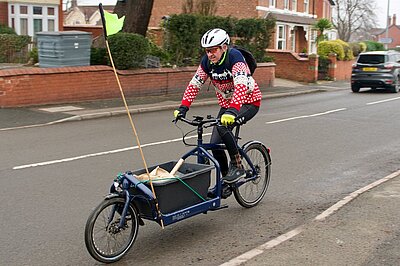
pixel 113 23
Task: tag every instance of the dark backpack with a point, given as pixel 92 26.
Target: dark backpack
pixel 248 56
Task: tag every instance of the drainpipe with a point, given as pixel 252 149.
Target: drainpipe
pixel 313 5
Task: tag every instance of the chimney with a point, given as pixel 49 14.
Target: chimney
pixel 389 19
pixel 74 3
pixel 394 20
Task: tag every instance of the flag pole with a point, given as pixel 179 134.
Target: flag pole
pixel 129 114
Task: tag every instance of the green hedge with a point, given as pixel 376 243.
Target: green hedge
pixel 327 47
pixel 374 46
pixel 184 31
pixel 128 50
pixel 348 52
pixel 6 30
pixel 12 44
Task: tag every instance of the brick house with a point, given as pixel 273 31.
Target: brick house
pixel 294 18
pixel 393 33
pixel 27 17
pixel 294 31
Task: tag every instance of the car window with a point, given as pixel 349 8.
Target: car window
pixel 371 59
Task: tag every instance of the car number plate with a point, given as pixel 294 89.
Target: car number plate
pixel 370 69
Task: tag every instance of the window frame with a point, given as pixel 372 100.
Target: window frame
pixel 282 40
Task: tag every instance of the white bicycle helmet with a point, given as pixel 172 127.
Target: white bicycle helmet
pixel 214 37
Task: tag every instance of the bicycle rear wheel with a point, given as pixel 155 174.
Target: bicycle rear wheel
pixel 104 239
pixel 252 192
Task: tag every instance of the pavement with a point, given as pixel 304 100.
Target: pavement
pixel 57 113
pixel 361 229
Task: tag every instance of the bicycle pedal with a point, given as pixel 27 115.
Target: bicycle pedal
pixel 226 192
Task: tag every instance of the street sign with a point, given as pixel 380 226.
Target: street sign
pixel 385 40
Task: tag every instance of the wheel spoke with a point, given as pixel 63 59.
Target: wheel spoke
pixel 251 192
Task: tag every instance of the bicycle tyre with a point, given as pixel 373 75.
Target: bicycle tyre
pixel 104 241
pixel 252 192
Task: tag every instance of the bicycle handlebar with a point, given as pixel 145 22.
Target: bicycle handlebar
pixel 199 121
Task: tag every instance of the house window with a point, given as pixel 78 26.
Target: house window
pixel 286 4
pixel 293 39
pixel 306 6
pixel 50 11
pixel 37 25
pixel 23 10
pixel 23 26
pixel 281 38
pixel 272 3
pixel 294 5
pixel 31 18
pixel 313 42
pixel 12 9
pixel 50 25
pixel 37 10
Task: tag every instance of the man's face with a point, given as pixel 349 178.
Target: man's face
pixel 214 53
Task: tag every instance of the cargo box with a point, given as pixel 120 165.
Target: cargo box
pixel 174 194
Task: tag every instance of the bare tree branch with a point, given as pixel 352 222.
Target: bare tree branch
pixel 352 16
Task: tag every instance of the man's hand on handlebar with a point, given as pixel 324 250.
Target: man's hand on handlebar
pixel 181 112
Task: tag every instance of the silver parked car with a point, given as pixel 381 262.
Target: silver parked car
pixel 379 69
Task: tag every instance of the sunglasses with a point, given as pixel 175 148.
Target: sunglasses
pixel 212 50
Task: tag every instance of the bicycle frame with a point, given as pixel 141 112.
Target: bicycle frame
pixel 144 194
pixel 201 151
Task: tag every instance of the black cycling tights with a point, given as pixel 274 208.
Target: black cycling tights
pixel 225 135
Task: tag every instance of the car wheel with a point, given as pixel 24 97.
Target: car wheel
pixel 355 88
pixel 396 85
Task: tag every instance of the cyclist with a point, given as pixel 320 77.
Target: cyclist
pixel 238 96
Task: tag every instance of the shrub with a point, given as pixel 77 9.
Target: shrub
pixel 160 53
pixel 11 46
pixel 34 55
pixel 356 48
pixel 363 47
pixel 184 33
pixel 128 50
pixel 327 47
pixel 348 52
pixel 183 37
pixel 374 46
pixel 255 35
pixel 98 56
pixel 6 30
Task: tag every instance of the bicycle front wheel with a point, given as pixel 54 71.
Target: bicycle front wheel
pixel 252 192
pixel 105 239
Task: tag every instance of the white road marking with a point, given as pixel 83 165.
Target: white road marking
pixel 239 260
pixel 58 109
pixel 383 101
pixel 100 153
pixel 306 116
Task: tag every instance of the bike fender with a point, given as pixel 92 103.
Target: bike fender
pixel 113 195
pixel 256 142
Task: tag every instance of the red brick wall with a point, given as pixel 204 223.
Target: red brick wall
pixel 4 13
pixel 234 8
pixel 37 86
pixel 340 70
pixel 290 66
